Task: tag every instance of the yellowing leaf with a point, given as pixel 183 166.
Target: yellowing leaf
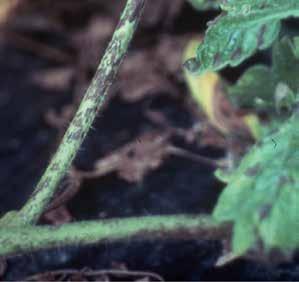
pixel 244 27
pixel 253 123
pixel 208 91
pixel 202 87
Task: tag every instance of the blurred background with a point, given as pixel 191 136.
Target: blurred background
pixel 149 153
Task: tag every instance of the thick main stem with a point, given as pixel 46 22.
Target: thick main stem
pixel 17 240
pixel 88 109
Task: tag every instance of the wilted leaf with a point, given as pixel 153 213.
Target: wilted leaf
pixel 263 88
pixel 245 27
pixel 261 198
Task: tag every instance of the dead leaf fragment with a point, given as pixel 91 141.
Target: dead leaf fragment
pixel 6 8
pixel 135 159
pixel 151 71
pixel 57 79
pixel 58 216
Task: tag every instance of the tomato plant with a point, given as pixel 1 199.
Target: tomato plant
pixel 261 196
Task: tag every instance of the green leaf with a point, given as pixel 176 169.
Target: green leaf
pixel 286 63
pixel 296 46
pixel 255 88
pixel 204 4
pixel 264 88
pixel 245 27
pixel 262 196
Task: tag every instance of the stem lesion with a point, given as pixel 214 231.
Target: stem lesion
pixel 85 115
pixel 18 230
pixel 21 239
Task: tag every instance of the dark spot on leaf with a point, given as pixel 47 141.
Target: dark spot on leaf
pixel 237 54
pixel 264 211
pixel 260 39
pixel 274 142
pixel 283 180
pixel 217 59
pixel 253 171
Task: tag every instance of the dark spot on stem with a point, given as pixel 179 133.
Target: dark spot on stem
pixel 138 6
pixel 78 121
pixel 55 167
pixel 89 113
pixel 42 185
pixel 74 135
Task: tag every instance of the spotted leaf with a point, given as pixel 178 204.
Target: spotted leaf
pixel 244 27
pixel 208 91
pixel 262 196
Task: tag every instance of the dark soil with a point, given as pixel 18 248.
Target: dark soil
pixel 29 138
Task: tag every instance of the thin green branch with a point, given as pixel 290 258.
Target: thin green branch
pixel 17 240
pixel 88 109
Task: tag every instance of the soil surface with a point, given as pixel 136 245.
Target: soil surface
pixel 48 54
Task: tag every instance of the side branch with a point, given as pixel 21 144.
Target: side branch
pixel 85 115
pixel 17 240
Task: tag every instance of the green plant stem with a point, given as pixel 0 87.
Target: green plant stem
pixel 16 240
pixel 88 109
